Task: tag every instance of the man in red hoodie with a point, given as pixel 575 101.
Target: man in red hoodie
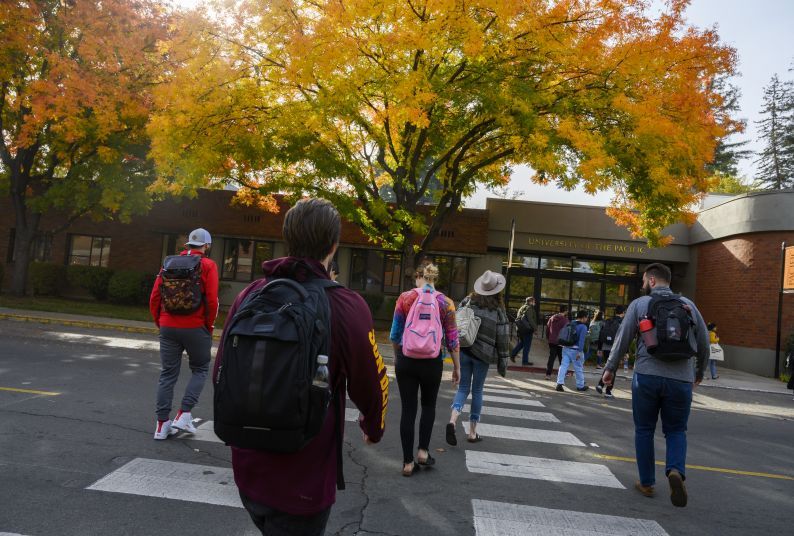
pixel 292 494
pixel 187 328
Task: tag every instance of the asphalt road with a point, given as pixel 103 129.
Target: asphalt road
pixel 88 418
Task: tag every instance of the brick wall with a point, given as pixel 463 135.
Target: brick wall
pixel 138 245
pixel 738 280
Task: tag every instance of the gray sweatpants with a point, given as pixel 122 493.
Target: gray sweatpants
pixel 173 341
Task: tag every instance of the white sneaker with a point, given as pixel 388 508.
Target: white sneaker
pixel 163 429
pixel 184 422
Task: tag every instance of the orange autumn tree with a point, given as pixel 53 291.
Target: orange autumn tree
pixel 74 102
pixel 383 106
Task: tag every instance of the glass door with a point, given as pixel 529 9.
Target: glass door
pixel 520 286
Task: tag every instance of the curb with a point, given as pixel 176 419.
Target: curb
pixel 85 324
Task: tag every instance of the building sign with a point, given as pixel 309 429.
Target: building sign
pixel 571 244
pixel 788 270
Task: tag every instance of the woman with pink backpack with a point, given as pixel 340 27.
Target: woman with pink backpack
pixel 424 319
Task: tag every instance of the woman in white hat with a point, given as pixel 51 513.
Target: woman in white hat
pixel 491 346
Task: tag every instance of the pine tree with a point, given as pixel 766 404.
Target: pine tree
pixel 776 160
pixel 728 154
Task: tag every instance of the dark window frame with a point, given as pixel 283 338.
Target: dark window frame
pixel 41 250
pixel 104 251
pixel 255 260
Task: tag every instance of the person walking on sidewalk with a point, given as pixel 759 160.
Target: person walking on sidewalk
pixel 419 375
pixel 592 338
pixel 573 353
pixel 492 345
pixel 664 377
pixel 184 305
pixel 605 341
pixel 526 324
pixel 713 339
pixel 553 328
pixel 290 493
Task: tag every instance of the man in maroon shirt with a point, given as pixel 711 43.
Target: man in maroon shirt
pixel 292 494
pixel 185 331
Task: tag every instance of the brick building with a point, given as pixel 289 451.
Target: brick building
pixel 729 261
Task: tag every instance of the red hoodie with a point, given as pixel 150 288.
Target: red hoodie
pixel 304 482
pixel 205 315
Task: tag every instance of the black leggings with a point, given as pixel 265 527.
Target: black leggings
pixel 555 352
pixel 415 376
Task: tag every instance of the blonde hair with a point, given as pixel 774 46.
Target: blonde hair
pixel 429 272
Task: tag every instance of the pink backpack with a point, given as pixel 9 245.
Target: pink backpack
pixel 423 333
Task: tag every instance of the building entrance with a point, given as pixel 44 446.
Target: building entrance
pixel 578 283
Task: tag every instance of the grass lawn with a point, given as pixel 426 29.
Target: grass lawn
pixel 85 307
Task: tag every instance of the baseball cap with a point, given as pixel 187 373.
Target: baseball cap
pixel 199 237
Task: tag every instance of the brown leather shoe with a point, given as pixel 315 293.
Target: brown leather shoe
pixel 648 491
pixel 678 494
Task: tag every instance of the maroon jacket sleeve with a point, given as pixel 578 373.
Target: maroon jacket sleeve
pixel 367 382
pixel 154 300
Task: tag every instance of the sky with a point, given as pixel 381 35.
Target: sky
pixel 761 31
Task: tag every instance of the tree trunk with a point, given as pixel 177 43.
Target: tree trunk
pixel 23 238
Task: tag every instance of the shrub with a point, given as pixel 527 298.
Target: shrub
pixel 124 287
pixel 94 279
pixel 147 282
pixel 46 278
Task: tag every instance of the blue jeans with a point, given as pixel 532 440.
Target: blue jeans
pixel 472 379
pixel 525 343
pixel 571 355
pixel 650 396
pixel 713 368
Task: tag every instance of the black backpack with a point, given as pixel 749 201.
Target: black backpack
pixel 264 397
pixel 675 329
pixel 180 287
pixel 568 335
pixel 609 331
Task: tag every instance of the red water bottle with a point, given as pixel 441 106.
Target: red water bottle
pixel 648 334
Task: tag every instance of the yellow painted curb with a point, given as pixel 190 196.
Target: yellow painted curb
pixel 702 468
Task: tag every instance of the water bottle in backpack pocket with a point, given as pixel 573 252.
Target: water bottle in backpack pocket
pixel 673 326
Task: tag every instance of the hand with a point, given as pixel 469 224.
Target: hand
pixel 607 377
pixel 455 375
pixel 367 440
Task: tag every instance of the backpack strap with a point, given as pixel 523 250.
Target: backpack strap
pixel 326 285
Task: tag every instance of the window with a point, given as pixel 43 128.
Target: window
pixel 621 268
pixel 173 244
pixel 41 249
pixel 89 250
pixel 588 267
pixel 522 261
pixel 242 257
pixel 368 271
pixel 392 270
pixel 559 264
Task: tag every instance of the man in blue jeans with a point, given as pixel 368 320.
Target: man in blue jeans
pixel 660 386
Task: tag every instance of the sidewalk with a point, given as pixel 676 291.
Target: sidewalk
pixel 728 379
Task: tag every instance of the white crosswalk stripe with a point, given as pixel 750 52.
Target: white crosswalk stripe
pixel 513 401
pixel 519 414
pixel 172 480
pixel 511 392
pixel 526 434
pixel 503 519
pixel 492 463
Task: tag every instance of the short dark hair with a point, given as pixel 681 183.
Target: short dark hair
pixel 312 228
pixel 659 271
pixel 563 308
pixel 711 326
pixel 582 313
pixel 619 310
